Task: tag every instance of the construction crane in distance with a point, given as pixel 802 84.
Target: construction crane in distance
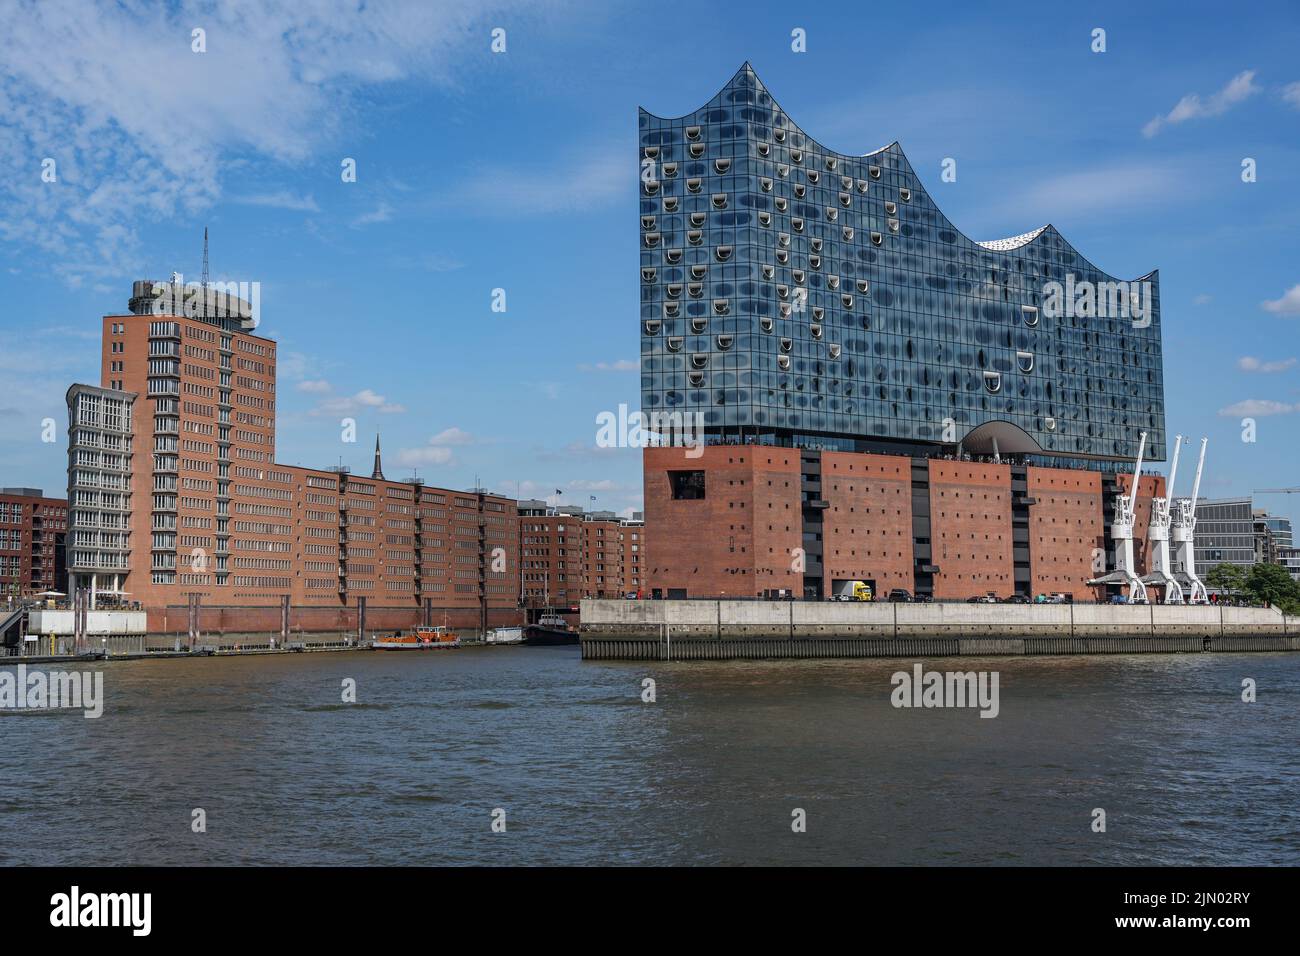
pixel 1278 491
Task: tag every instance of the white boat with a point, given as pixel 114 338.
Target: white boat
pixel 505 635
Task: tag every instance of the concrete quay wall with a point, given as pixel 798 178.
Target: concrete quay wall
pixel 653 630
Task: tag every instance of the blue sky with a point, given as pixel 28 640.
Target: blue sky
pixel 479 170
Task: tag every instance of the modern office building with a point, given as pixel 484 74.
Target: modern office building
pixel 1279 529
pixel 101 449
pixel 172 471
pixel 32 538
pixel 883 399
pixel 793 294
pixel 567 554
pixel 1234 531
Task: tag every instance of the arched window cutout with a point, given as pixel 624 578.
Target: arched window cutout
pixel 993 381
pixel 1025 361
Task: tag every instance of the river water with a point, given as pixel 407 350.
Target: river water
pixel 712 772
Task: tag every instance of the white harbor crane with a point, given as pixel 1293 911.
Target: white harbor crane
pixel 1158 537
pixel 1121 532
pixel 1183 533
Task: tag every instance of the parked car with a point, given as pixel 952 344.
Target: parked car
pixel 1017 599
pixel 982 599
pixel 901 595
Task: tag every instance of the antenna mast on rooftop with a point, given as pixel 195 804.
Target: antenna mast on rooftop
pixel 203 279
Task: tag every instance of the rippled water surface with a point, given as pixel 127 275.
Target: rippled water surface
pixel 710 773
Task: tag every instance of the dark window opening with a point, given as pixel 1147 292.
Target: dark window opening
pixel 687 485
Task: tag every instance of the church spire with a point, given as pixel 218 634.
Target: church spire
pixel 379 471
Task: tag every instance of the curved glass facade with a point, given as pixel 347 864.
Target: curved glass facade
pixel 793 293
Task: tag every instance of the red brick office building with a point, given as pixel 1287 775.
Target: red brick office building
pixel 32 536
pixel 568 554
pixel 211 516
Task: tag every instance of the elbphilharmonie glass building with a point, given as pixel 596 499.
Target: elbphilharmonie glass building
pixel 795 295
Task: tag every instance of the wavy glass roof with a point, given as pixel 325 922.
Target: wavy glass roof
pixel 794 288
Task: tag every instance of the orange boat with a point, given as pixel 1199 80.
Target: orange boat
pixel 420 639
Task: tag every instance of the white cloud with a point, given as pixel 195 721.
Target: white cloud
pixel 279 200
pixel 621 365
pixel 382 213
pixel 438 450
pixel 1291 93
pixel 1202 299
pixel 425 456
pixel 1289 304
pixel 586 484
pixel 1248 363
pixel 318 385
pixel 1258 408
pixel 141 128
pixel 366 399
pixel 452 436
pixel 1240 87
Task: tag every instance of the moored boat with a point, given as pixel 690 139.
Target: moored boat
pixel 504 635
pixel 419 639
pixel 550 630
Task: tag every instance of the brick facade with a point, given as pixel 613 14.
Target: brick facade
pixel 32 536
pixel 959 537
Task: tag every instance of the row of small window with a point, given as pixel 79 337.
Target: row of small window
pixel 696 149
pixel 1029 313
